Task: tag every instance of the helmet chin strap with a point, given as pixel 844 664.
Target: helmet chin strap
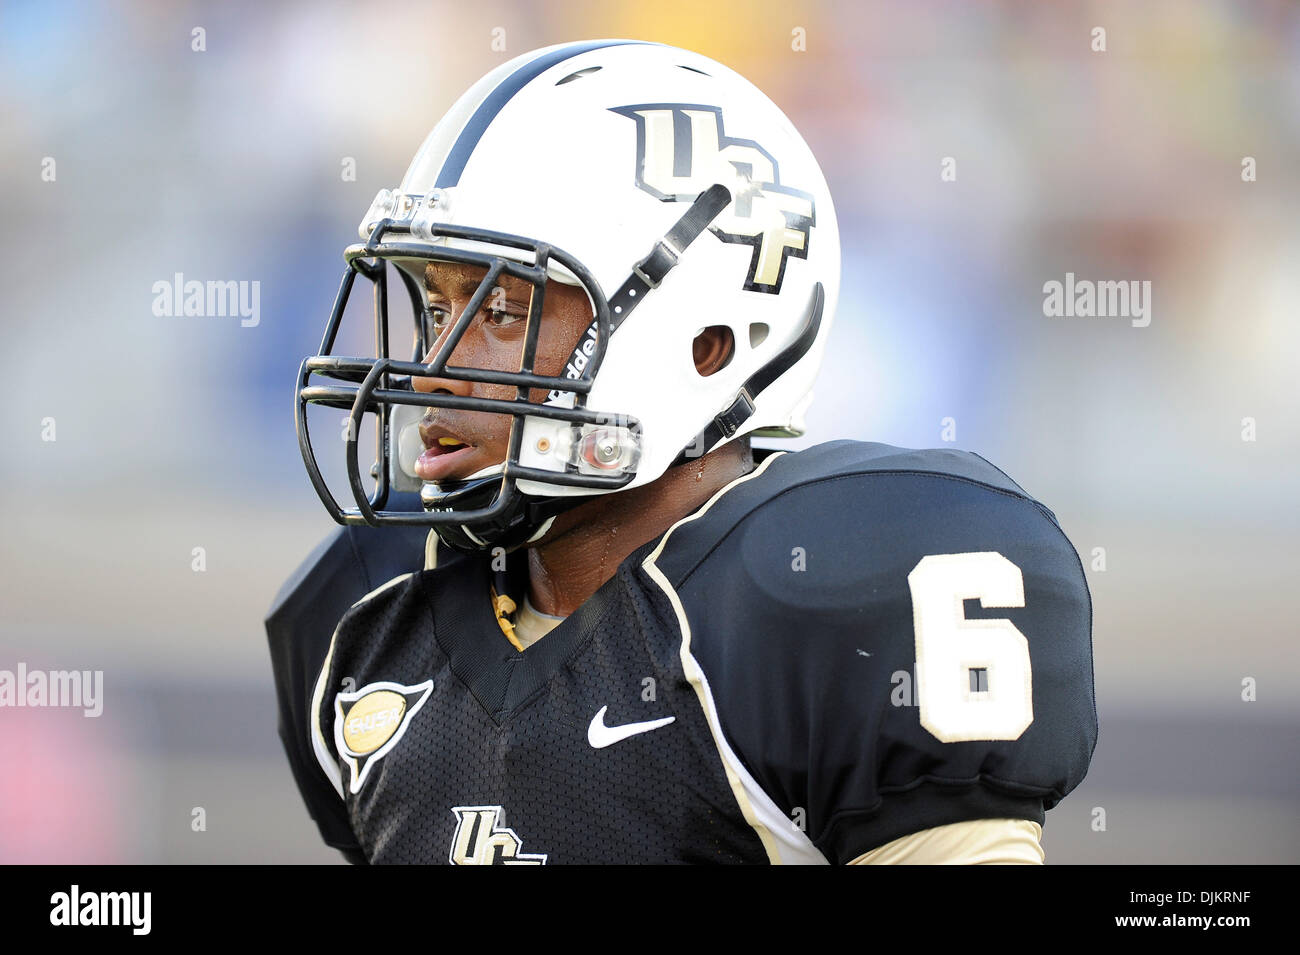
pixel 726 423
pixel 524 522
pixel 650 271
pixel 541 531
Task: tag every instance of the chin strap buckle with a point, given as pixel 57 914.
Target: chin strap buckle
pixel 661 260
pixel 728 423
pixel 650 271
pixel 736 414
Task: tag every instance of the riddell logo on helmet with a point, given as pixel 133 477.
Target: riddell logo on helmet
pixel 682 150
pixel 577 361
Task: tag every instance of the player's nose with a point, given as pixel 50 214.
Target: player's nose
pixel 428 384
pixel 437 383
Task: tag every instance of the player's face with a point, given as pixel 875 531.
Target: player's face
pixel 459 443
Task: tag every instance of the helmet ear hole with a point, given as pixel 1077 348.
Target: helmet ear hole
pixel 713 349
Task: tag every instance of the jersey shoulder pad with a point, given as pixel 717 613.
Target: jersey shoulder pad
pixel 349 563
pixel 850 606
pixel 300 623
pixel 847 506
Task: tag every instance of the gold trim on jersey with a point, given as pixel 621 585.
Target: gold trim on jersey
pixel 781 838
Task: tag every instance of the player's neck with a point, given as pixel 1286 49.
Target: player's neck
pixel 586 545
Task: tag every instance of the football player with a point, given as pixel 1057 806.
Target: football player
pixel 575 617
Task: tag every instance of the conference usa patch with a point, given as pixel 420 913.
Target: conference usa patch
pixel 369 722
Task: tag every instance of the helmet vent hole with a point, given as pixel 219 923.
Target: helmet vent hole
pixel 758 334
pixel 692 69
pixel 578 75
pixel 713 350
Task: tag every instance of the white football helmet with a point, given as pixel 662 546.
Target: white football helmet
pixel 678 197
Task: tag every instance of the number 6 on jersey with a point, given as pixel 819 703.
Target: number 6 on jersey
pixel 972 676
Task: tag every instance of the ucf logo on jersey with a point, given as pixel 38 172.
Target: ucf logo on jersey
pixel 481 839
pixel 682 150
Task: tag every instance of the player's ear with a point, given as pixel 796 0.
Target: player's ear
pixel 712 349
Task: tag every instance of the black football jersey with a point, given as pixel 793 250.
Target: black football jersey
pixel 849 644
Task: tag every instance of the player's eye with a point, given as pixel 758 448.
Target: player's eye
pixel 501 317
pixel 434 322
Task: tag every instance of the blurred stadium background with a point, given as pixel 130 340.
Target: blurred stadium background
pixel 177 433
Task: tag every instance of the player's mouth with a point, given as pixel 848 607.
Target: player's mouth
pixel 440 461
pixel 445 454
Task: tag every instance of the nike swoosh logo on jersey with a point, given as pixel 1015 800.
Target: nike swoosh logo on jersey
pixel 599 735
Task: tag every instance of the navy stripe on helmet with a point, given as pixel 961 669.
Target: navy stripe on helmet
pixel 487 111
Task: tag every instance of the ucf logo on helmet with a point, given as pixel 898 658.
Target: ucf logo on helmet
pixel 682 150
